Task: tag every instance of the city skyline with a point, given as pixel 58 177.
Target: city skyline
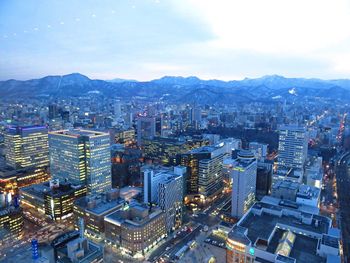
pixel 146 40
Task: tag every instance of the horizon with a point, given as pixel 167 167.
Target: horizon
pixel 174 76
pixel 224 40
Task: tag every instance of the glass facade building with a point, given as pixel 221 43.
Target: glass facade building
pixel 81 157
pixel 26 146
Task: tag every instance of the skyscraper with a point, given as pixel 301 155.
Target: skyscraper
pixel 26 146
pixel 204 166
pixel 81 157
pixel 244 183
pixel 292 147
pixel 165 188
pixel 146 128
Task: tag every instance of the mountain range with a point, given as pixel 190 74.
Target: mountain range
pixel 183 89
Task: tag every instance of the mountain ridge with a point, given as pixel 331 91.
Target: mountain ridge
pixel 264 88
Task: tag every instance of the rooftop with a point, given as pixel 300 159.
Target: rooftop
pixel 79 132
pixel 99 204
pixel 266 223
pixel 134 215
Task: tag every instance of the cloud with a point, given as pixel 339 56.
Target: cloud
pixel 226 39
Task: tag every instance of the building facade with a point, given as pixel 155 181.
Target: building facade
pixel 81 157
pixel 243 183
pixel 292 146
pixel 26 146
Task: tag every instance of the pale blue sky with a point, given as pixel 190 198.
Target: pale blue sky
pixel 146 39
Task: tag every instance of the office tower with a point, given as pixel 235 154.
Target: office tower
pixel 53 111
pixel 244 183
pixel 272 232
pixel 146 128
pixel 26 146
pixel 135 229
pixel 165 150
pixel 164 187
pixel 210 177
pixel 118 109
pixel 196 115
pixel 259 150
pixel 263 179
pixel 81 157
pixel 292 147
pixel 199 179
pixel 153 177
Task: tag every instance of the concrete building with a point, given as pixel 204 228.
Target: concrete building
pixel 281 234
pixel 263 179
pixel 146 129
pixel 93 209
pixel 11 223
pixel 51 198
pixel 135 229
pixel 170 200
pixel 243 183
pixel 26 146
pixel 154 176
pixel 260 150
pixel 292 146
pixel 204 166
pixel 314 171
pixel 81 157
pixel 299 193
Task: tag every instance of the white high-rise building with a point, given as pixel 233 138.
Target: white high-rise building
pixel 170 199
pixel 244 183
pixel 153 177
pixel 164 187
pixel 292 147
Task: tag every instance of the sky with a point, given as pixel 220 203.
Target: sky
pixel 148 39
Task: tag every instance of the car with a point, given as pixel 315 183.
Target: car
pixel 167 248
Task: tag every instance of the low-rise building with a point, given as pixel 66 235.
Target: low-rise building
pixel 93 209
pixel 135 229
pixel 274 233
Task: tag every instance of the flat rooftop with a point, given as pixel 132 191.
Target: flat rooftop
pixel 102 206
pixel 79 132
pixel 261 226
pixel 136 215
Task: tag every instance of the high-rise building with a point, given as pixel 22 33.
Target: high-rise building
pixel 292 147
pixel 170 200
pixel 204 166
pixel 165 188
pixel 263 179
pixel 244 183
pixel 153 177
pixel 81 157
pixel 26 146
pixel 146 128
pixel 53 111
